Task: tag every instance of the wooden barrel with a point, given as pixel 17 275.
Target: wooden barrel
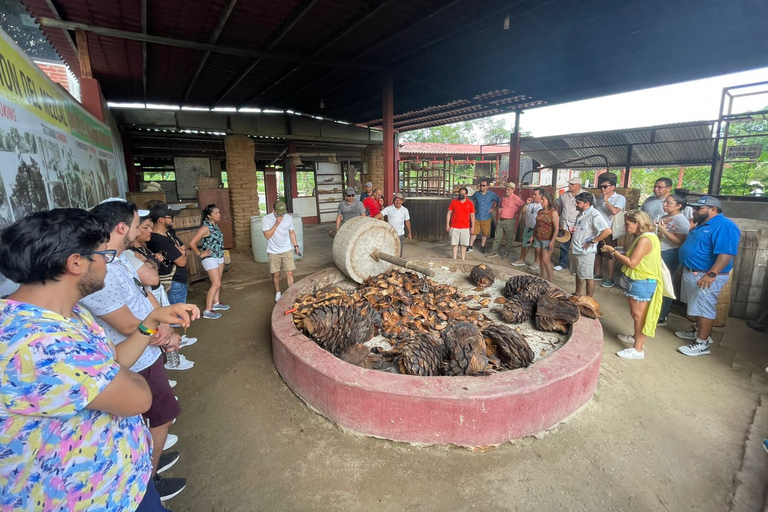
pixel 750 280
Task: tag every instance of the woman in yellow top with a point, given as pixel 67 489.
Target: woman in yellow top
pixel 645 288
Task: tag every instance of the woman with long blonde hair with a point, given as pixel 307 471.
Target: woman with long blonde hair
pixel 641 267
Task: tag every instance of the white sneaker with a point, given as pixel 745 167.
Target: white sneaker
pixel 184 364
pixel 533 267
pixel 558 268
pixel 186 342
pixel 170 441
pixel 172 383
pixel 518 263
pixel 687 335
pixel 695 348
pixel 277 296
pixel 630 353
pixel 626 338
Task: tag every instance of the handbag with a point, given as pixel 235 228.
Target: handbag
pixel 666 279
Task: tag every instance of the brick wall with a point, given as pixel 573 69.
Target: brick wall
pixel 374 155
pixel 56 72
pixel 243 195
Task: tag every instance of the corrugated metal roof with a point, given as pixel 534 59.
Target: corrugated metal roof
pixel 451 60
pixel 436 148
pixel 673 144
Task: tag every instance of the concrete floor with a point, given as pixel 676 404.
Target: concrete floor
pixel 668 433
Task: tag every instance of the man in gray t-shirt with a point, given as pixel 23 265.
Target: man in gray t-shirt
pixel 654 206
pixel 350 208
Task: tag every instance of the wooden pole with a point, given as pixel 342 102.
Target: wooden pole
pixel 83 55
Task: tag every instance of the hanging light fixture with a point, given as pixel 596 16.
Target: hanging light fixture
pixel 322 103
pixel 506 22
pixel 296 160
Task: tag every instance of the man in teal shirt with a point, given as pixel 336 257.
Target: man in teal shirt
pixel 485 203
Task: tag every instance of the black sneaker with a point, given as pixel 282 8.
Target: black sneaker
pixel 167 460
pixel 469 248
pixel 167 488
pixel 482 249
pixel 662 322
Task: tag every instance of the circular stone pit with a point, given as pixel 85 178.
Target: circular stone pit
pixel 465 411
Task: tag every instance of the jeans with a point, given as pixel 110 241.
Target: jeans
pixel 504 226
pixel 178 293
pixel 671 260
pixel 565 247
pixel 151 500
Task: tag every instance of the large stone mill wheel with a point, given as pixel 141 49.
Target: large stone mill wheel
pixel 356 240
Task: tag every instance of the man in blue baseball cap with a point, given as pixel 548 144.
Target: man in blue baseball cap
pixel 707 258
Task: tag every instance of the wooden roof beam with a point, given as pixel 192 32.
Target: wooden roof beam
pixel 193 45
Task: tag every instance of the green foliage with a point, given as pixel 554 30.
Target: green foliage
pixel 489 130
pixel 305 181
pixel 159 176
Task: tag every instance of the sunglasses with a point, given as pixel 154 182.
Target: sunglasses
pixel 606 186
pixel 109 254
pixel 483 185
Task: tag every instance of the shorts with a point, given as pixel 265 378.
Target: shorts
pixel 641 290
pixel 527 235
pixel 211 263
pixel 283 260
pixel 541 244
pixel 608 241
pixel 165 408
pixel 583 265
pixel 483 226
pixel 701 302
pixel 459 236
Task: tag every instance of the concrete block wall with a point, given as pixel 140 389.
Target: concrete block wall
pixel 374 155
pixel 243 192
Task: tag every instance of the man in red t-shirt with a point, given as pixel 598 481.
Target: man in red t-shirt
pixel 371 203
pixel 460 221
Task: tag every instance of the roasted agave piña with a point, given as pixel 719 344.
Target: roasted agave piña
pixel 588 306
pixel 336 327
pixel 517 310
pixel 509 346
pixel 530 287
pixel 423 356
pixel 555 312
pixel 482 275
pixel 467 351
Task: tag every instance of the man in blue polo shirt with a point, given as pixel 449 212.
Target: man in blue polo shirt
pixel 707 258
pixel 485 203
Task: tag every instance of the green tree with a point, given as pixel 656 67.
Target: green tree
pixel 489 130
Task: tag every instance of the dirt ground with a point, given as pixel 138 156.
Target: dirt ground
pixel 668 433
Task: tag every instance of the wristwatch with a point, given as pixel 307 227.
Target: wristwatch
pixel 712 274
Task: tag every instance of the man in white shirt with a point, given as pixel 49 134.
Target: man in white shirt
pixel 281 245
pixel 609 205
pixel 566 207
pixel 398 217
pixel 119 308
pixel 590 227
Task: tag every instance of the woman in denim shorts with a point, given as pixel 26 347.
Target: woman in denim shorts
pixel 645 287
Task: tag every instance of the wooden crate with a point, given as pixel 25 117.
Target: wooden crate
pixel 723 303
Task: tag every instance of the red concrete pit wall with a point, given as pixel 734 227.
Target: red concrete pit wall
pixel 465 411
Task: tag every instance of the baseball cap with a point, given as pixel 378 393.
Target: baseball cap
pixel 142 213
pixel 575 181
pixel 161 210
pixel 398 195
pixel 280 208
pixel 349 192
pixel 368 184
pixel 510 185
pixel 707 201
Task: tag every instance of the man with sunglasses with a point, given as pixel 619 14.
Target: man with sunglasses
pixel 119 308
pixel 349 209
pixel 70 427
pixel 609 204
pixel 164 240
pixel 707 257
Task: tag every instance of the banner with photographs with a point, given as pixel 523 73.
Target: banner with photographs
pixel 53 153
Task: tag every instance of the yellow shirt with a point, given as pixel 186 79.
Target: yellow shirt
pixel 649 268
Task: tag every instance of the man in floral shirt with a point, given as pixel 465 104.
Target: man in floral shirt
pixel 71 438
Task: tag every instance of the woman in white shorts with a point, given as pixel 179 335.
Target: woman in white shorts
pixel 211 241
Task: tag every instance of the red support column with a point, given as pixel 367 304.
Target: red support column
pixel 514 153
pixel 389 136
pixel 270 187
pixel 292 169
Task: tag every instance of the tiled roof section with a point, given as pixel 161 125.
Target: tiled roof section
pixel 437 148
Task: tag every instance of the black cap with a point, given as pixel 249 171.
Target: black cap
pixel 161 210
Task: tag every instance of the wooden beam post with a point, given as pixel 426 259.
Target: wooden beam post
pixel 387 105
pixel 82 54
pixel 514 153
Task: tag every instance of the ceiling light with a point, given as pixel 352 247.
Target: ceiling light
pixel 506 22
